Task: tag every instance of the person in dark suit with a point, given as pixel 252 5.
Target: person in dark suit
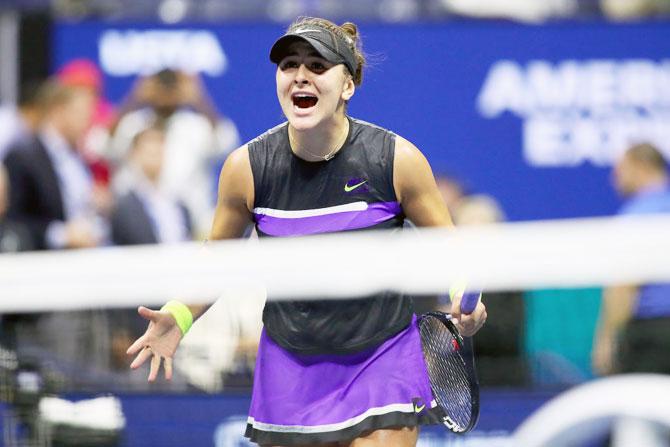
pixel 13 237
pixel 52 196
pixel 51 189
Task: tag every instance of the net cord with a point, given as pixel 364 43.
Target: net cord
pixel 515 256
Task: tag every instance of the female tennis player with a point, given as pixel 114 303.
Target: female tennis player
pixel 328 373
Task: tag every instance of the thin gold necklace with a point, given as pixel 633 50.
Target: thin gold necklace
pixel 332 153
pixel 326 157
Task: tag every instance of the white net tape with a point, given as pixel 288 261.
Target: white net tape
pixel 585 252
pixel 570 418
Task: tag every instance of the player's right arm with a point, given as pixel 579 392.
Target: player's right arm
pixel 232 216
pixel 235 203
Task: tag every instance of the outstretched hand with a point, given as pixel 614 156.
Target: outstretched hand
pixel 159 342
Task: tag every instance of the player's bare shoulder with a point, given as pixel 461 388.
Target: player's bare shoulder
pixel 236 179
pixel 407 152
pixel 239 158
pixel 408 164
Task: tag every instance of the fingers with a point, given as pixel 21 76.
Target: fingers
pixel 465 325
pixel 147 313
pixel 141 358
pixel 155 367
pixel 142 341
pixel 470 324
pixel 167 364
pixel 479 318
pixel 136 346
pixel 142 347
pixel 480 312
pixel 456 308
pixel 155 363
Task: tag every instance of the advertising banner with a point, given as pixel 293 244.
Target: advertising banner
pixel 531 115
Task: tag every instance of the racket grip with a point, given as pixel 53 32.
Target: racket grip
pixel 469 302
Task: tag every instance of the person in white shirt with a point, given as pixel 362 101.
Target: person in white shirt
pixel 197 138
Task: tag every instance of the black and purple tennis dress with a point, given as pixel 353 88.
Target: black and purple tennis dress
pixel 331 370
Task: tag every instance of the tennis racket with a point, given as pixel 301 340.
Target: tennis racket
pixel 451 368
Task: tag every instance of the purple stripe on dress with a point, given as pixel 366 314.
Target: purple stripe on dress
pixel 328 223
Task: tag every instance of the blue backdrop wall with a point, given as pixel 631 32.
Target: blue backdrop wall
pixel 533 115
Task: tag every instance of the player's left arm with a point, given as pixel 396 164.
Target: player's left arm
pixel 416 189
pixel 422 203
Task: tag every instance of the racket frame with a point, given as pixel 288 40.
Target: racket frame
pixel 465 343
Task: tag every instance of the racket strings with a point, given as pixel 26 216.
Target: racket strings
pixel 448 374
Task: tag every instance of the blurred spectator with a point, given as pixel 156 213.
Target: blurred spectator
pixel 52 196
pixel 19 123
pixel 4 192
pixel 197 138
pixel 452 191
pixel 364 10
pixel 145 214
pixel 478 209
pixel 498 345
pixel 50 185
pixel 634 328
pixel 13 237
pixel 85 74
pixel 523 10
pixel 220 351
pixel 634 9
pixel 558 344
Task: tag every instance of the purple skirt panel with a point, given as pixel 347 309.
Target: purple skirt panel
pixel 300 399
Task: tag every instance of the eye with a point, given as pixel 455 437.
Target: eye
pixel 288 64
pixel 317 67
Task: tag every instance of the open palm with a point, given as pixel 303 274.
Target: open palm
pixel 159 342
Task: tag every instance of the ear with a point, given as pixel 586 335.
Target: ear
pixel 349 88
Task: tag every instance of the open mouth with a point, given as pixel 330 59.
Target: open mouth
pixel 304 101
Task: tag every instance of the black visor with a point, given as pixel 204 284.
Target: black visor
pixel 331 47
